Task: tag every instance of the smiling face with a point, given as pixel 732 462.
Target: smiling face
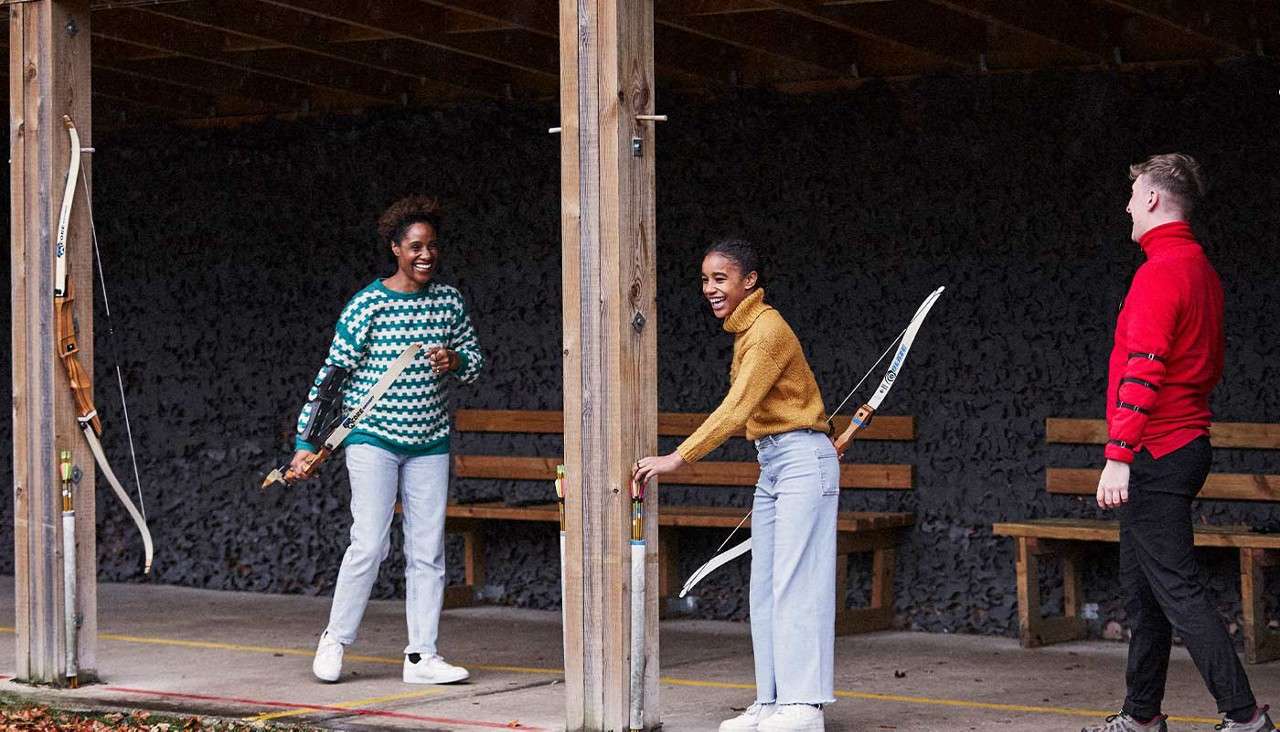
pixel 417 255
pixel 724 284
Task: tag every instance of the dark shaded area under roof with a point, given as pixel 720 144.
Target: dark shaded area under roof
pixel 157 60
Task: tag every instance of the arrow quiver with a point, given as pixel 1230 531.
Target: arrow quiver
pixel 326 409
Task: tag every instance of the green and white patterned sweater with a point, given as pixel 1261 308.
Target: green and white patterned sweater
pixel 412 417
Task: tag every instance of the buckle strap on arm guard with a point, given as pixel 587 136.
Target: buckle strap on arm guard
pixel 1139 382
pixel 1147 356
pixel 326 408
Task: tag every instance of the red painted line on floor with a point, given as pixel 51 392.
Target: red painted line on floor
pixel 326 708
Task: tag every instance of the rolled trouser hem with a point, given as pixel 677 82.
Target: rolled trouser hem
pixel 345 640
pixel 1139 712
pixel 422 651
pixel 828 700
pixel 1239 701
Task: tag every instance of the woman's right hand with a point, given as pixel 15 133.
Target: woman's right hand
pixel 298 465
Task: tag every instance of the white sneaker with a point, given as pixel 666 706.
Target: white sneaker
pixel 327 665
pixel 750 719
pixel 794 718
pixel 432 670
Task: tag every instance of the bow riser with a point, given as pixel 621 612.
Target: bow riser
pixel 68 350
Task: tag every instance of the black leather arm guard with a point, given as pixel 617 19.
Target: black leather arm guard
pixel 326 408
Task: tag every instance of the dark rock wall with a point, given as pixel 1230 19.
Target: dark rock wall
pixel 230 252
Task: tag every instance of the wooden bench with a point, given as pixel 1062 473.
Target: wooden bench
pixel 1065 539
pixel 859 531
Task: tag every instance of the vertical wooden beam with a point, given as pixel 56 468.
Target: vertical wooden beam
pixel 610 347
pixel 48 77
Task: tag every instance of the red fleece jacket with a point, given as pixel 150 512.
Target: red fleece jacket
pixel 1168 348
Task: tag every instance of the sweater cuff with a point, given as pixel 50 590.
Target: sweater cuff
pixel 301 444
pixel 1119 451
pixel 690 453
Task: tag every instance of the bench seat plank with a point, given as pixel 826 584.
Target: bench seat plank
pixel 1218 486
pixel 670 424
pixel 1109 531
pixel 702 516
pixel 510 467
pixel 1249 435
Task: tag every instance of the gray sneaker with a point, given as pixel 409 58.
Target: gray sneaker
pixel 1260 723
pixel 1124 723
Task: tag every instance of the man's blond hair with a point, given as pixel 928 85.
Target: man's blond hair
pixel 1176 175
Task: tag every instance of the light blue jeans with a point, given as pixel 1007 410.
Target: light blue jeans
pixel 793 568
pixel 377 476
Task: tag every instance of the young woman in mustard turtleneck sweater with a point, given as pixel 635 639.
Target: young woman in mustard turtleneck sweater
pixel 773 394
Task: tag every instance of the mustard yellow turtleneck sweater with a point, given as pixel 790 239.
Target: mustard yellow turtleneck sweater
pixel 771 387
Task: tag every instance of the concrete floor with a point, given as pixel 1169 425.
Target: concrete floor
pixel 248 656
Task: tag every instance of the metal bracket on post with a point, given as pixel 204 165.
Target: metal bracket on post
pixel 637 144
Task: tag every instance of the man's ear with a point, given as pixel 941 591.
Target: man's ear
pixel 1153 199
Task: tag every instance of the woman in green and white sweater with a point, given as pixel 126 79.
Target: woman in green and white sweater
pixel 401 447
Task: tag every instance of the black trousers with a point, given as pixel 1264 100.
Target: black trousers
pixel 1161 579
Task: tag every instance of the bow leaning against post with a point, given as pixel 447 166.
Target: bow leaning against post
pixel 861 419
pixel 68 350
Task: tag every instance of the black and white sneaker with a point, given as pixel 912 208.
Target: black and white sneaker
pixel 1124 723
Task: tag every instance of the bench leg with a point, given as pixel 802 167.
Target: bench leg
pixel 879 615
pixel 1034 629
pixel 668 564
pixel 1261 644
pixel 472 565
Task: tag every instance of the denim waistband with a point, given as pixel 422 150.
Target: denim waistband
pixel 783 437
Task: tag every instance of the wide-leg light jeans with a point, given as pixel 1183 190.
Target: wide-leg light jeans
pixel 422 483
pixel 793 568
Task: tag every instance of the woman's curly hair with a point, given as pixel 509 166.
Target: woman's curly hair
pixel 410 210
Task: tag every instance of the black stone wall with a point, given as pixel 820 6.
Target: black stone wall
pixel 230 252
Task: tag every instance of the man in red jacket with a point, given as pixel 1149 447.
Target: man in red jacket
pixel 1165 363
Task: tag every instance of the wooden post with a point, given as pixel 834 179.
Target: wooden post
pixel 48 77
pixel 610 347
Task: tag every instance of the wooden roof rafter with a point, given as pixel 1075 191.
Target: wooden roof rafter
pixel 421 23
pixel 912 37
pixel 1054 22
pixel 238 94
pixel 208 49
pixel 1219 24
pixel 226 26
pixel 821 52
pixel 541 19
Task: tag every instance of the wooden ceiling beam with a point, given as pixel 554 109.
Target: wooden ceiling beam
pixel 243 30
pixel 907 32
pixel 538 17
pixel 159 62
pixel 216 102
pixel 541 18
pixel 1216 23
pixel 721 63
pixel 1059 23
pixel 207 47
pixel 791 49
pixel 421 23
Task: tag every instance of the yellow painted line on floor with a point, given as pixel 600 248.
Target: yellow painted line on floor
pixel 299 652
pixel 862 695
pixel 353 704
pixel 930 701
